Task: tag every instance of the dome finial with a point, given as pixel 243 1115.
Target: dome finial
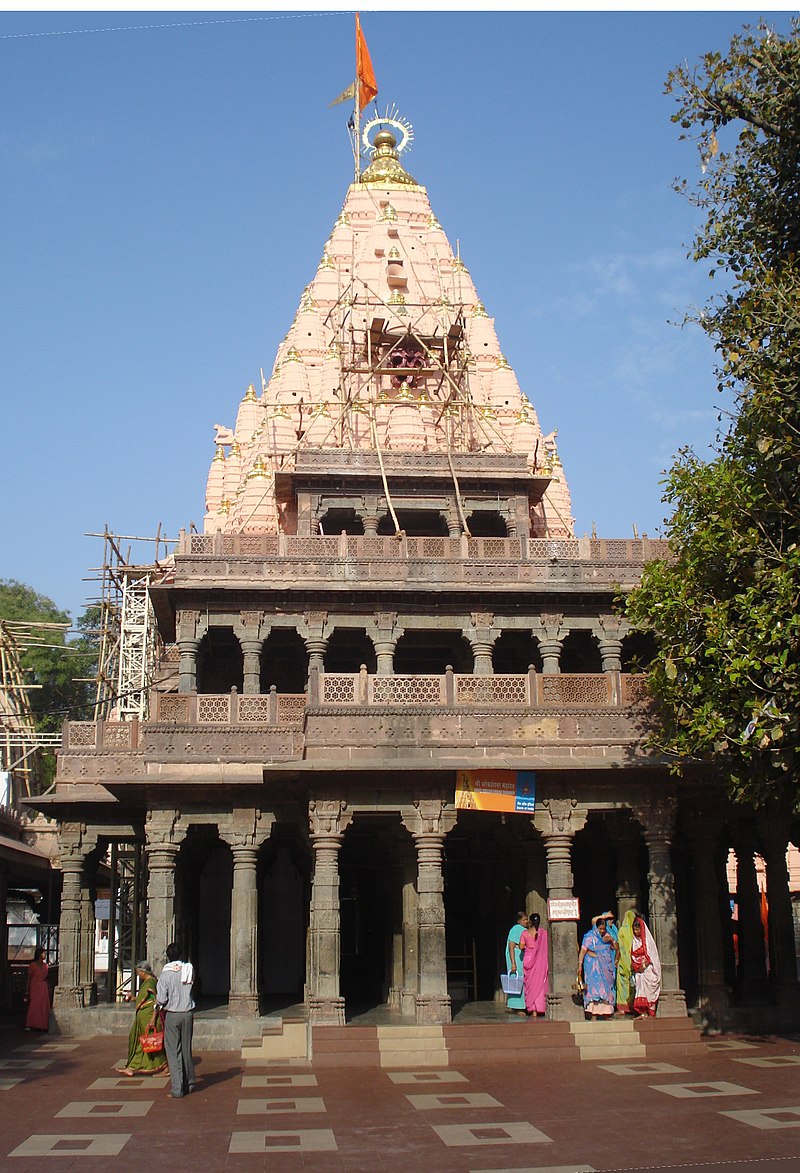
pixel 387 138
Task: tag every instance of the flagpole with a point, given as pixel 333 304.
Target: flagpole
pixel 357 114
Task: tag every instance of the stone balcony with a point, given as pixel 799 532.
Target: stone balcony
pixel 282 560
pixel 448 722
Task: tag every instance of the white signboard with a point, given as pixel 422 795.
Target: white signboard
pixel 568 909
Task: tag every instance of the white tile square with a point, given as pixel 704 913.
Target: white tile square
pixel 96 1108
pixel 307 1140
pixel 454 1100
pixel 107 1144
pixel 730 1045
pixel 689 1091
pixel 767 1117
pixel 446 1076
pixel 25 1064
pixel 279 1081
pixel 768 1060
pixel 7 1084
pixel 643 1068
pixel 134 1083
pixel 491 1133
pixel 300 1105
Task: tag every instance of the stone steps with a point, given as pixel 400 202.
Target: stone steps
pixel 614 1039
pixel 412 1046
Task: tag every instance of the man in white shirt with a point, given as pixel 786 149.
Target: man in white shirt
pixel 174 996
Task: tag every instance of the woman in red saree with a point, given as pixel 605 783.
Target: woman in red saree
pixel 38 995
pixel 535 965
pixel 645 970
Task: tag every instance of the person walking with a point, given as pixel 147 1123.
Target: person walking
pixel 38 994
pixel 535 965
pixel 139 1061
pixel 516 1002
pixel 646 970
pixel 174 996
pixel 597 970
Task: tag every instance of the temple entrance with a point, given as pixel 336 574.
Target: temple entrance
pixel 609 866
pixel 283 920
pixel 494 866
pixel 203 882
pixel 370 898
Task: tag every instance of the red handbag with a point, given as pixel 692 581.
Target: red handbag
pixel 152 1040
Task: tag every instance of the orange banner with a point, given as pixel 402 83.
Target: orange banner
pixel 367 85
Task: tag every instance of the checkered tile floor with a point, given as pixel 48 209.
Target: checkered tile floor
pixel 64 1108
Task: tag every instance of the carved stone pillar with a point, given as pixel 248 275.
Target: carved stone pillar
pixel 244 834
pixel 251 663
pixel 429 822
pixel 482 652
pixel 408 997
pixel 550 638
pixel 610 654
pixel 243 994
pixel 626 852
pixel 316 648
pixel 453 526
pixel 73 845
pixel 558 822
pixel 658 821
pixel 187 670
pixel 751 969
pixel 703 837
pixel 384 655
pixel 88 935
pixel 163 838
pixel 784 989
pixel 328 821
pixel 370 521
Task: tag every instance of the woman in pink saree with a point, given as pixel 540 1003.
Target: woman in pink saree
pixel 535 965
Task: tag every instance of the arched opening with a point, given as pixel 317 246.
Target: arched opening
pixel 220 665
pixel 514 652
pixel 335 520
pixel 284 661
pixel 427 653
pixel 349 648
pixel 284 881
pixel 417 523
pixel 580 653
pixel 487 523
pixel 638 651
pixel 203 883
pixel 370 903
pixel 494 866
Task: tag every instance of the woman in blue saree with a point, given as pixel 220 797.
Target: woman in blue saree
pixel 514 954
pixel 598 971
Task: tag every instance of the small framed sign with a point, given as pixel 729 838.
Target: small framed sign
pixel 567 909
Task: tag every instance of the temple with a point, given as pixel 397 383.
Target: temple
pixel 395 699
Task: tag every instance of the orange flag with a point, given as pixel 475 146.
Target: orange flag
pixel 367 85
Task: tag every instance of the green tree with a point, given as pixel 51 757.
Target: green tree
pixel 54 668
pixel 726 608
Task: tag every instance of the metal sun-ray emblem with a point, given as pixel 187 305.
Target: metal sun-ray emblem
pixel 391 120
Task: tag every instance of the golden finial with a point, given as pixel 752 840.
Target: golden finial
pixel 326 262
pixel 224 506
pixel 433 222
pixel 445 301
pixel 219 454
pixel 307 303
pixel 280 411
pixel 394 253
pixel 386 166
pixel 342 220
pixel 479 310
pixel 333 350
pixel 235 449
pixel 458 265
pixel 502 363
pixel 259 472
pixel 292 355
pixel 388 214
pixel 398 301
pixel 250 394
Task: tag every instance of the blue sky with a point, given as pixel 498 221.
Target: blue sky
pixel 166 192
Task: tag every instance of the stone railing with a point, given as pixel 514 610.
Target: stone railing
pixel 287 711
pixel 530 690
pixel 610 550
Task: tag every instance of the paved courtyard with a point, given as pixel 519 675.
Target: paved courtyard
pixel 63 1107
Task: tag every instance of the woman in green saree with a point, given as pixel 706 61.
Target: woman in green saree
pixel 143 1062
pixel 624 982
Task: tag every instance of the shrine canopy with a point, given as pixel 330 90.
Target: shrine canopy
pixel 390 351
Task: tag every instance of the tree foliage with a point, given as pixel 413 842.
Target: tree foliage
pixel 54 671
pixel 726 608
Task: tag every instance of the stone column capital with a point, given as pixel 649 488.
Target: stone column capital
pixel 560 817
pixel 551 626
pixel 429 818
pixel 246 829
pixel 328 819
pixel 657 817
pixel 163 830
